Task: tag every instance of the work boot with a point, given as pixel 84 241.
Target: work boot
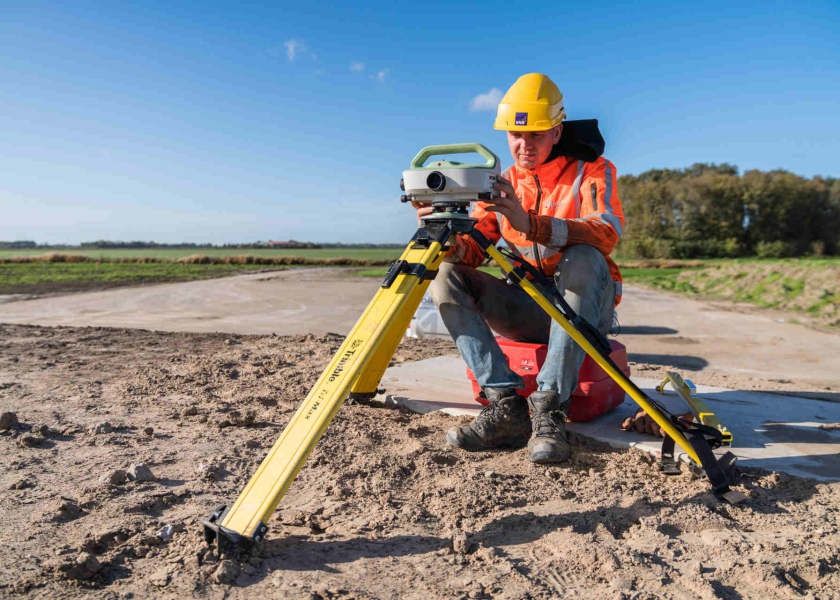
pixel 548 443
pixel 502 423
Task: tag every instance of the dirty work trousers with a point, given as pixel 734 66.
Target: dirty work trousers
pixel 471 303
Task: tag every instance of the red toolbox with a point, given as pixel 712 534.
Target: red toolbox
pixel 596 392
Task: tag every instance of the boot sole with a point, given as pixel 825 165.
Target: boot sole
pixel 543 452
pixel 541 458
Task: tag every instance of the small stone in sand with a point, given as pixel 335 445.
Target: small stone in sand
pixel 461 543
pixel 207 471
pixel 102 428
pixel 242 420
pixel 84 566
pixel 30 441
pixel 8 420
pixel 149 431
pixel 140 472
pixel 114 477
pixel 226 572
pixel 20 484
pixel 166 532
pixel 695 566
pixel 66 510
pixel 40 429
pixel 150 540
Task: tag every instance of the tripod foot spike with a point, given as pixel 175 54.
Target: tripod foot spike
pixel 228 542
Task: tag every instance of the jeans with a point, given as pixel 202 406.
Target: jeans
pixel 472 302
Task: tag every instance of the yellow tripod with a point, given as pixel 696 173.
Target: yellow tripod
pixel 359 364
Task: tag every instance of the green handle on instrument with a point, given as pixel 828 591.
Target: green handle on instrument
pixel 428 151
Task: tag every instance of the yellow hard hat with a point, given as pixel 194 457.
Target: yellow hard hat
pixel 533 103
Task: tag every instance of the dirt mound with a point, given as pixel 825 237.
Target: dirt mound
pixel 812 289
pixel 383 509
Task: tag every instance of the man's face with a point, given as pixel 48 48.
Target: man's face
pixel 530 149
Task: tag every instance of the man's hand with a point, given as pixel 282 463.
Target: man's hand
pixel 506 203
pixel 423 209
pixel 643 423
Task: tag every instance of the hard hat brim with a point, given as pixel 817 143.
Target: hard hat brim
pixel 536 127
pixel 537 117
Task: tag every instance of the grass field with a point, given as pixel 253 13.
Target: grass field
pixel 810 286
pixel 47 277
pixel 68 271
pixel 358 253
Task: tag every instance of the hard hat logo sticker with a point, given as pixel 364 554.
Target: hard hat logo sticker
pixel 521 119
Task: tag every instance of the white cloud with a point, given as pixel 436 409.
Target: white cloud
pixel 380 76
pixel 488 101
pixel 357 67
pixel 293 48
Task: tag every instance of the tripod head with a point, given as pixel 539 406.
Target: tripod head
pixel 450 186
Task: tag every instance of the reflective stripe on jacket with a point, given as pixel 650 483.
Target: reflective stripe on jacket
pixel 570 202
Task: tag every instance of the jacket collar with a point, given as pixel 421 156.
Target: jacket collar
pixel 548 172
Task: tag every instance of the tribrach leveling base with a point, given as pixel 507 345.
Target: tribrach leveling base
pixel 359 364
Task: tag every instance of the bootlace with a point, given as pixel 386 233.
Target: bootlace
pixel 490 414
pixel 547 423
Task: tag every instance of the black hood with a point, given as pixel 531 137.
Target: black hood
pixel 581 139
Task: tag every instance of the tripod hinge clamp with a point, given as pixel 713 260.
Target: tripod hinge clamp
pixel 398 267
pixel 515 276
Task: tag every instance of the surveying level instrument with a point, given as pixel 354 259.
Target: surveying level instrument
pixel 360 362
pixel 449 183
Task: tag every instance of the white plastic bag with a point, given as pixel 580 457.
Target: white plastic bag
pixel 426 321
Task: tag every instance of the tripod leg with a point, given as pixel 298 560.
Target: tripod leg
pixel 632 390
pixel 369 380
pixel 374 334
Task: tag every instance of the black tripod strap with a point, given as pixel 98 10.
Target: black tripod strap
pixel 709 462
pixel 668 463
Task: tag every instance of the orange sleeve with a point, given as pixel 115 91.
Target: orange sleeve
pixel 601 217
pixel 466 250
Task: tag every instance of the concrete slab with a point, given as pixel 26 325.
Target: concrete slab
pixel 780 433
pixel 282 302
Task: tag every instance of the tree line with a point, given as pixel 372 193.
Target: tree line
pixel 710 210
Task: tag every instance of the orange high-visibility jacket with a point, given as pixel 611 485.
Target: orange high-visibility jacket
pixel 571 202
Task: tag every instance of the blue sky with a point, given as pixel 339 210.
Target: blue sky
pixel 234 122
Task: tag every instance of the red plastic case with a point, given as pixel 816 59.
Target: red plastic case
pixel 595 394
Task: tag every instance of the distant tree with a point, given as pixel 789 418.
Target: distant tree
pixel 19 244
pixel 709 210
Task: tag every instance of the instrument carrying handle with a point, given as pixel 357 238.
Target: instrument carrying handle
pixel 483 151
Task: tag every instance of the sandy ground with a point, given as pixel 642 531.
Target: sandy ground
pixel 735 341
pixel 383 509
